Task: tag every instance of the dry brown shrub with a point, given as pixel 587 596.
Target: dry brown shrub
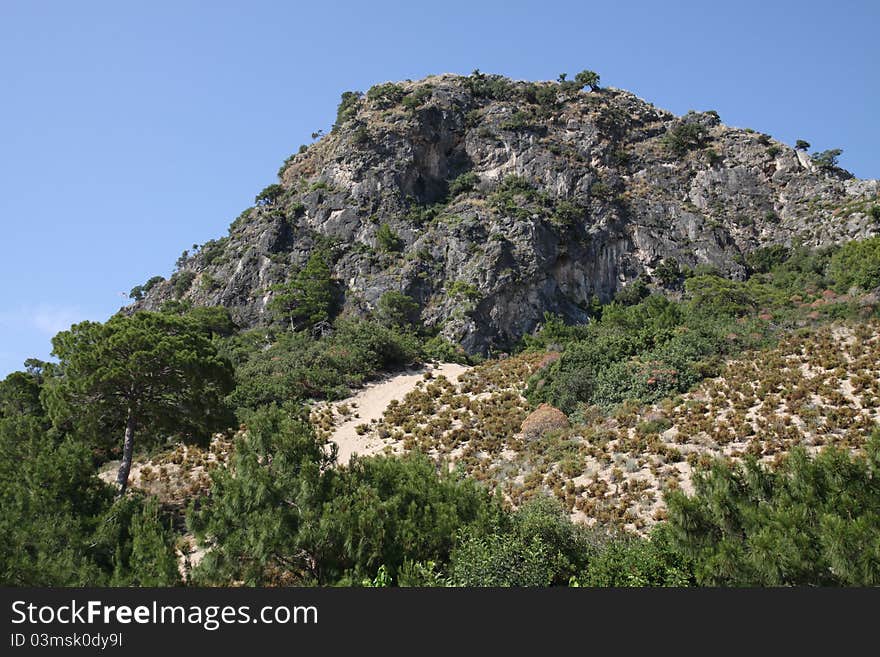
pixel 543 419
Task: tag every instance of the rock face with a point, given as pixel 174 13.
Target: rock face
pixel 511 199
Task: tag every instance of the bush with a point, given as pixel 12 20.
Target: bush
pixel 398 309
pixel 464 183
pixel 538 545
pixel 269 195
pixel 763 260
pixel 388 240
pixel 494 87
pixel 668 272
pixel 347 108
pixel 587 78
pixel 684 137
pixel 856 264
pixel 713 295
pixel 299 366
pixel 386 95
pixel 543 419
pixel 632 293
pixel 826 159
pixel 633 561
pixel 181 282
pixel 813 521
pixel 416 98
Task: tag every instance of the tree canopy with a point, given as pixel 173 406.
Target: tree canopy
pixel 148 371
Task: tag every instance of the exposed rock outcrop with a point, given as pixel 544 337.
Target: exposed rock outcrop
pixel 512 199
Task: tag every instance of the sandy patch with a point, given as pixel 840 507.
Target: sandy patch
pixel 370 403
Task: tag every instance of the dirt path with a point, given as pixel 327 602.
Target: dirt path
pixel 372 401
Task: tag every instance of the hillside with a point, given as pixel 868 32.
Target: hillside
pixel 490 202
pixel 483 333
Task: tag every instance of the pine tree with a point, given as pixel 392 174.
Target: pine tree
pixel 307 299
pixel 149 372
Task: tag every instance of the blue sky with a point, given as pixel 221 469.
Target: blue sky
pixel 130 131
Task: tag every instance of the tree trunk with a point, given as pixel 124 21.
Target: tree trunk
pixel 127 449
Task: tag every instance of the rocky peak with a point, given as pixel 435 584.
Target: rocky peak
pixel 491 201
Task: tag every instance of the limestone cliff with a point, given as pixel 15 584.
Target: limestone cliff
pixel 490 201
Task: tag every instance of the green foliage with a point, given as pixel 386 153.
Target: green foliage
pixel 587 78
pixel 492 87
pixel 262 502
pixel 856 264
pixel 463 184
pixel 398 309
pixel 347 109
pixel 150 372
pixel 826 159
pixel 386 95
pixel 307 298
pixel 281 515
pixel 20 394
pixel 152 282
pixel 360 135
pixel 152 561
pixel 442 350
pixel 269 195
pixel 716 295
pixel 139 291
pixel 538 545
pixel 801 145
pixel 630 561
pixel 465 290
pixel 213 250
pixel 384 511
pixel 668 272
pixel 812 521
pixel 213 320
pixel 388 240
pixel 299 365
pixel 518 121
pixel 684 137
pixel 764 259
pixel 50 500
pixel 543 95
pixel 566 213
pixel 416 98
pixel 60 526
pixel 632 293
pixel 181 282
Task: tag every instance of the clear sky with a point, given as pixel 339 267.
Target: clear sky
pixel 130 131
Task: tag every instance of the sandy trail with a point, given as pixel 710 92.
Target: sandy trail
pixel 371 402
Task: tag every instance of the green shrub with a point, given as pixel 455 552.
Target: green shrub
pixel 388 240
pixel 348 107
pixel 181 282
pixel 685 137
pixel 464 183
pixel 812 521
pixel 416 98
pixel 269 195
pixel 826 159
pixel 398 309
pixel 668 272
pixel 466 290
pixel 386 95
pixel 856 264
pixel 633 561
pixel 494 87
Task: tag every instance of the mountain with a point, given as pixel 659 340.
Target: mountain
pixel 490 202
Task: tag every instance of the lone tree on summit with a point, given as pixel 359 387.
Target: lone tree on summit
pixel 587 79
pixel 150 372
